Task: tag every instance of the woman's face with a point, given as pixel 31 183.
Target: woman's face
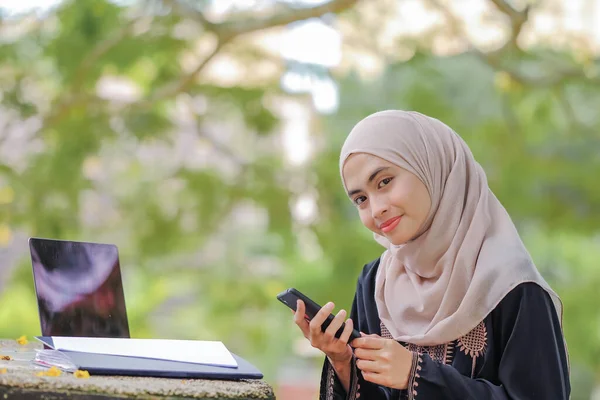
pixel 391 201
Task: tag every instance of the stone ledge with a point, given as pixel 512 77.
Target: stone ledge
pixel 21 382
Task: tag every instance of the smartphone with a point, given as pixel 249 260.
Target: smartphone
pixel 291 295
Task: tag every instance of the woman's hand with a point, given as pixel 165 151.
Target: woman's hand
pixel 338 351
pixel 382 361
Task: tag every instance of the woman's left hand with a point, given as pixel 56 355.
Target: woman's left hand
pixel 383 361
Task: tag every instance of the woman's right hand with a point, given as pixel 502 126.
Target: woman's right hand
pixel 336 349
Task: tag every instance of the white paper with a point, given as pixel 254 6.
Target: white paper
pixel 190 351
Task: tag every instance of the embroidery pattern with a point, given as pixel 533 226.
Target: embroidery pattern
pixel 354 388
pixel 354 382
pixel 385 333
pixel 450 347
pixel 474 344
pixel 414 374
pixel 330 382
pixel 437 353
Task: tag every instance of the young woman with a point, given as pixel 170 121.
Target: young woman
pixel 454 308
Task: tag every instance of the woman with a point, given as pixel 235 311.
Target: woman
pixel 454 308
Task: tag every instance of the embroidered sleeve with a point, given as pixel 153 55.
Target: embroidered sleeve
pixel 474 344
pixel 527 334
pixel 331 387
pixel 413 383
pixel 354 385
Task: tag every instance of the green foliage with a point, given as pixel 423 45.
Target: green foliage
pixel 248 101
pixel 206 237
pixel 93 21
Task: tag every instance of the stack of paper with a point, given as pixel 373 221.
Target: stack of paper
pixel 187 351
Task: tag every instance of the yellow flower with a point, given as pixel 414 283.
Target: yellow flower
pixel 81 374
pixel 3 371
pixel 51 372
pixel 22 340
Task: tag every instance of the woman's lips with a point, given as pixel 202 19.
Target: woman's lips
pixel 390 224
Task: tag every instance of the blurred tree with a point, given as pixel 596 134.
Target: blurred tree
pixel 157 127
pixel 121 124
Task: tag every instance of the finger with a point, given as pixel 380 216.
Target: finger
pixel 300 309
pixel 369 366
pixel 369 342
pixel 299 318
pixel 300 315
pixel 362 334
pixel 374 377
pixel 352 342
pixel 317 321
pixel 366 354
pixel 335 324
pixel 347 331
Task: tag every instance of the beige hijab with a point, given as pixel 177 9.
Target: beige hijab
pixel 466 257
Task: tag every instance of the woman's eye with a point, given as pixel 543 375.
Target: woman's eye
pixel 384 182
pixel 359 200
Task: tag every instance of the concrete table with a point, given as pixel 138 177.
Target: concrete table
pixel 21 382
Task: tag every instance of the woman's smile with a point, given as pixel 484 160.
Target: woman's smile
pixel 390 224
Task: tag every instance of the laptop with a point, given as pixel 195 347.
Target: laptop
pixel 80 294
pixel 79 288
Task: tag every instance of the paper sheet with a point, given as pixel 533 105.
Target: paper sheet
pixel 190 351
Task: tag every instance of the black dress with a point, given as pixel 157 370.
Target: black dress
pixel 517 352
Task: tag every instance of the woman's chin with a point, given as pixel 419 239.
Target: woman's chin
pixel 397 239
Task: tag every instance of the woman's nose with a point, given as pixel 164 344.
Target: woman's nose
pixel 378 208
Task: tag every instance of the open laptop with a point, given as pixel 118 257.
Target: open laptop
pixel 79 288
pixel 80 294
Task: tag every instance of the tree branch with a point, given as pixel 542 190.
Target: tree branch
pixel 65 105
pixel 74 97
pixel 101 48
pixel 494 58
pixel 507 9
pixel 242 24
pixel 284 17
pixel 517 18
pixel 227 31
pixel 185 10
pixel 173 88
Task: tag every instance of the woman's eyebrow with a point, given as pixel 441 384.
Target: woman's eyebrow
pixel 371 177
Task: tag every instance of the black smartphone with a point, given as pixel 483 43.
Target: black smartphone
pixel 291 295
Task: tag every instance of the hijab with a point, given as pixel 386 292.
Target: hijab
pixel 465 258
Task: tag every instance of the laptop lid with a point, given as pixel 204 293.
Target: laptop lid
pixel 79 288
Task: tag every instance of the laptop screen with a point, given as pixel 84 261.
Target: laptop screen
pixel 79 288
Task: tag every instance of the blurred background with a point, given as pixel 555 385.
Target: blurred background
pixel 202 138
